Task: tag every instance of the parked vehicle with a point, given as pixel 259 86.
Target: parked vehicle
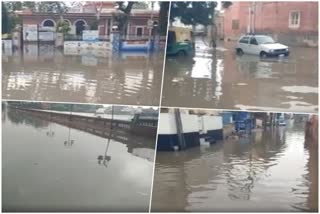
pixel 180 41
pixel 261 45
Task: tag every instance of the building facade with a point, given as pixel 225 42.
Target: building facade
pixel 289 22
pixel 83 16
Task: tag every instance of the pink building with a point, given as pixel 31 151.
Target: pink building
pixel 82 16
pixel 290 22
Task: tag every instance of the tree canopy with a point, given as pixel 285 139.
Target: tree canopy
pixel 5 19
pixel 58 7
pixel 192 13
pixel 9 20
pixel 197 12
pixel 163 17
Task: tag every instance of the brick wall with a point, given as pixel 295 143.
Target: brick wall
pixel 273 18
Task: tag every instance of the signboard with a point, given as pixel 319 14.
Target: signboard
pixel 150 22
pixel 87 45
pixel 135 46
pixel 47 28
pixel 46 36
pixel 6 44
pixel 30 32
pixel 90 35
pixel 7 47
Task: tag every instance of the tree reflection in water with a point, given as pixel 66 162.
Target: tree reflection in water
pixel 19 117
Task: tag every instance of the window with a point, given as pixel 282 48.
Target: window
pixel 235 24
pixel 265 40
pixel 244 40
pixel 294 19
pixel 171 37
pixel 48 23
pixel 139 31
pixel 253 41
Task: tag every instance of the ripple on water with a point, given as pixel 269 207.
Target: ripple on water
pixel 268 174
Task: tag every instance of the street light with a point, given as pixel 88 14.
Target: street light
pixel 150 26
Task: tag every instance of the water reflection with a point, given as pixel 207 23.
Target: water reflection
pixel 45 73
pixel 269 171
pixel 104 159
pixel 223 80
pixel 40 174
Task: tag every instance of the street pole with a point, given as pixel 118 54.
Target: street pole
pixel 213 30
pixel 254 17
pixel 150 28
pixel 249 21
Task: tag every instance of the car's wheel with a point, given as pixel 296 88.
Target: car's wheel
pixel 263 54
pixel 181 53
pixel 239 51
pixel 286 54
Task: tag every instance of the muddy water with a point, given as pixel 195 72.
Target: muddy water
pixel 50 167
pixel 271 171
pixel 47 74
pixel 226 81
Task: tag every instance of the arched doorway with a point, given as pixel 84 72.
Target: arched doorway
pixel 80 26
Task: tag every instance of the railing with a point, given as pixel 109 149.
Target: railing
pixel 142 37
pixel 136 37
pixel 104 37
pixel 143 128
pixel 71 37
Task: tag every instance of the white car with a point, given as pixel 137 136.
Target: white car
pixel 261 45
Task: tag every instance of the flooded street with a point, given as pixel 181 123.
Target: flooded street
pixel 43 73
pixel 224 80
pixel 50 167
pixel 273 170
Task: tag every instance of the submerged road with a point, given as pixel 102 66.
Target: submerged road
pixel 47 74
pixel 223 80
pixel 273 170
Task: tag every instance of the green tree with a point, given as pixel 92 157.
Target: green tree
pixel 53 7
pixel 122 15
pixel 5 19
pixel 163 17
pixel 193 13
pixel 226 4
pixel 63 27
pixel 18 5
pixel 140 5
pixel 12 6
pixel 9 19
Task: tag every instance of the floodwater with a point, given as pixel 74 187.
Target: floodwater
pixel 50 167
pixel 270 171
pixel 224 80
pixel 43 73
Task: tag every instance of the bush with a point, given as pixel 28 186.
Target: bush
pixel 63 27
